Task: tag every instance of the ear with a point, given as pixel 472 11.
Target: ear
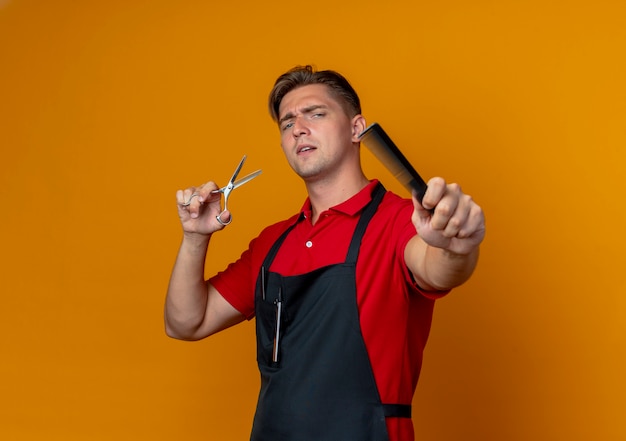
pixel 358 125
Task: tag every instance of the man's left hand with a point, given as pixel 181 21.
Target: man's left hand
pixel 448 219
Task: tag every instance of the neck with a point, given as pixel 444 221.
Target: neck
pixel 324 194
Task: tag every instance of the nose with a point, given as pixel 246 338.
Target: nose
pixel 299 127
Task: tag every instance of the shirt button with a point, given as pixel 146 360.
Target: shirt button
pixel 309 244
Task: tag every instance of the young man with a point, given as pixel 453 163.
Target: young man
pixel 343 291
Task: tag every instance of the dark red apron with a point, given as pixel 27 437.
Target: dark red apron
pixel 317 382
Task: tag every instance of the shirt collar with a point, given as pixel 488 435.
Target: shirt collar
pixel 351 206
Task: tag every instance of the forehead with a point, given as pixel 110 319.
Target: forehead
pixel 306 96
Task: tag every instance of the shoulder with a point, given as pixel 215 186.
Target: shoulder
pixel 392 199
pixel 394 212
pixel 269 235
pixel 273 231
pixel 391 227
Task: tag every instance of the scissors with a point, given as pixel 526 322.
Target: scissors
pixel 232 184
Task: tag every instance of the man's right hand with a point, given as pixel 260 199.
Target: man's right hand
pixel 198 208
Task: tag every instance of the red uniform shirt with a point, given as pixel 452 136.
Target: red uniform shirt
pixel 395 315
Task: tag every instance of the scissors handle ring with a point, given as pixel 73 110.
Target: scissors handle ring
pixel 221 222
pixel 188 203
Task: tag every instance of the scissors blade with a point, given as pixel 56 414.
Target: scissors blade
pixel 248 178
pixel 232 179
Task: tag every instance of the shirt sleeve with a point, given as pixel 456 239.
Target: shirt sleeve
pixel 236 283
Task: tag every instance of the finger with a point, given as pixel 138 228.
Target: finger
pixel 207 192
pixel 185 197
pixel 475 222
pixel 190 202
pixel 447 206
pixel 457 220
pixel 420 214
pixel 183 212
pixel 224 218
pixel 444 212
pixel 180 198
pixel 435 191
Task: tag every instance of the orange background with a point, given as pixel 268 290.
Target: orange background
pixel 108 107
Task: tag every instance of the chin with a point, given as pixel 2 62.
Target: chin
pixel 309 172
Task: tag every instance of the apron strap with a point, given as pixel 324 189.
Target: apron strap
pixel 397 410
pixel 366 216
pixel 269 258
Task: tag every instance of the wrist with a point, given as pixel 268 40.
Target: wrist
pixel 197 241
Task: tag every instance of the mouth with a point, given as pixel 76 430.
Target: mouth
pixel 304 149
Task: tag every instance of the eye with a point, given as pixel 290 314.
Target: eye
pixel 288 125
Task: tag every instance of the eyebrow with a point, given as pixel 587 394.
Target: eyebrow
pixel 308 109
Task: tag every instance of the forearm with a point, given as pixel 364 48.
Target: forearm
pixel 187 294
pixel 446 270
pixel 438 269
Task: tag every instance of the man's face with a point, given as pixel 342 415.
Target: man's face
pixel 317 135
